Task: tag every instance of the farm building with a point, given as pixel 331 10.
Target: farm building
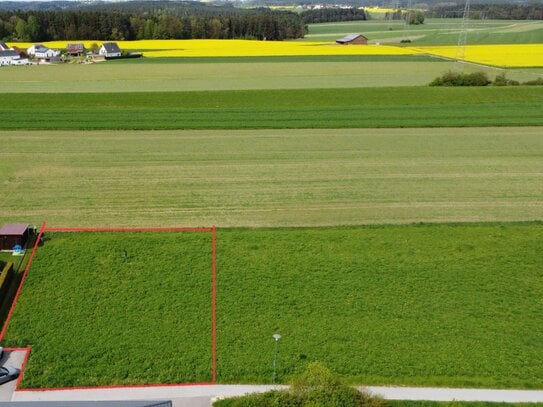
pixel 12 235
pixel 75 50
pixel 110 50
pixel 353 39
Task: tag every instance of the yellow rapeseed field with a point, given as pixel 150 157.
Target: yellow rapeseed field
pixel 503 55
pixel 380 10
pixel 237 48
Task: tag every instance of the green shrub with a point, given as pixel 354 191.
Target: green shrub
pixel 535 82
pixel 316 387
pixel 452 78
pixel 5 278
pixel 501 80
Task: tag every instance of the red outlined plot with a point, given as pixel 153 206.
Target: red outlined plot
pixel 45 228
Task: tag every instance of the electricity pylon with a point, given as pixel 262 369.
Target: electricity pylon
pixel 463 35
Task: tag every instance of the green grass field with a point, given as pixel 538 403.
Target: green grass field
pixel 453 305
pixel 206 74
pixel 272 177
pixel 293 108
pixel 96 318
pixel 434 31
pixel 178 74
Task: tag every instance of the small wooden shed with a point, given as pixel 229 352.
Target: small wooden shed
pixel 12 235
pixel 353 39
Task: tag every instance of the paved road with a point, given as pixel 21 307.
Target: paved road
pixel 200 396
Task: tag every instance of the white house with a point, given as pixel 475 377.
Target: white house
pixel 11 57
pixel 110 50
pixel 41 52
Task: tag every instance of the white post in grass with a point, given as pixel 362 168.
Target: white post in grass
pixel 276 337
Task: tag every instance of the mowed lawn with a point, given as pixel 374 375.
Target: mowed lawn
pixel 450 305
pixel 96 317
pixel 311 177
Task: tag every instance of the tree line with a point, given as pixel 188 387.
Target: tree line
pixel 326 15
pixel 490 11
pixel 261 24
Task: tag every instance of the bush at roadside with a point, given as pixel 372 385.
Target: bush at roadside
pixel 316 387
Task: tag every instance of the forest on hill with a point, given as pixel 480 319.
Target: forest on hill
pixel 143 20
pixel 490 11
pixel 162 19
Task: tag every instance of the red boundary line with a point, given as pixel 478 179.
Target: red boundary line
pixel 136 386
pixel 214 304
pixel 23 278
pixel 43 229
pixel 23 366
pixel 120 229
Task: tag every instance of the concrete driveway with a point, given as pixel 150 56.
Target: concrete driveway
pixel 14 358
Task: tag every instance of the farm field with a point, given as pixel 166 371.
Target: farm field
pixel 283 108
pixel 311 177
pixel 451 305
pixel 95 317
pixel 178 74
pixel 434 31
pixel 174 74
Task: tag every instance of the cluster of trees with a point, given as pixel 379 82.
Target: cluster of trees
pixel 415 17
pixel 326 15
pixel 452 78
pixel 490 11
pixel 205 22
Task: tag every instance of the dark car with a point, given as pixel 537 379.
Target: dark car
pixel 8 373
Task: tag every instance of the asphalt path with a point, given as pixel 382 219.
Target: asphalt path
pixel 201 395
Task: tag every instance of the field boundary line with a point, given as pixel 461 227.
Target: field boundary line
pixel 214 304
pixel 128 229
pixel 23 278
pixel 44 228
pixel 113 386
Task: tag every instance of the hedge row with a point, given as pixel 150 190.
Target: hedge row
pixel 5 279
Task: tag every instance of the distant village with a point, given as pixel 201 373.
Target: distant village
pixel 40 54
